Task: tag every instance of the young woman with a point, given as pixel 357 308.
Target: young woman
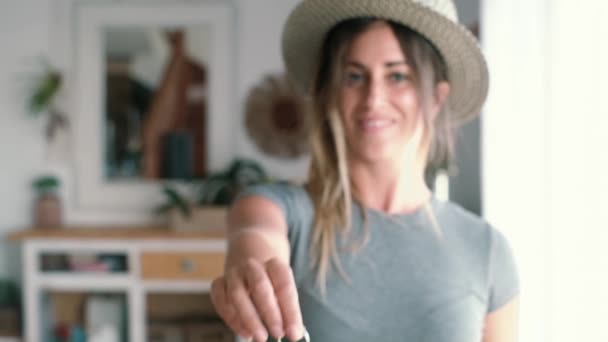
pixel 364 251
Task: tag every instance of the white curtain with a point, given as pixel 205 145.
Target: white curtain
pixel 545 159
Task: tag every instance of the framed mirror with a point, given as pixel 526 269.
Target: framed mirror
pixel 153 99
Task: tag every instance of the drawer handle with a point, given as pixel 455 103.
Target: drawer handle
pixel 188 265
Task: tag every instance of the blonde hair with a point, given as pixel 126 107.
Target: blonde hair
pixel 329 182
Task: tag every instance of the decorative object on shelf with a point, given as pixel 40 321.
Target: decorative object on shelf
pixel 52 262
pixel 77 334
pixel 209 217
pixel 43 99
pixel 175 202
pixel 222 187
pixel 184 213
pixel 277 117
pixel 105 317
pixel 178 109
pixel 114 262
pixel 208 208
pixel 48 208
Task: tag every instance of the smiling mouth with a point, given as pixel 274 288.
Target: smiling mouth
pixel 372 125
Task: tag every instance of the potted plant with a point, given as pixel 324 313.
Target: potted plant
pixel 208 208
pixel 175 201
pixel 42 99
pixel 221 188
pixel 47 208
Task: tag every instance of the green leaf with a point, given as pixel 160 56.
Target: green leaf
pixel 221 187
pixel 177 201
pixel 45 183
pixel 44 92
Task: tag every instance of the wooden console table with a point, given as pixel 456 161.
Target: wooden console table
pixel 157 260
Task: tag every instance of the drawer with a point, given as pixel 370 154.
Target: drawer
pixel 182 265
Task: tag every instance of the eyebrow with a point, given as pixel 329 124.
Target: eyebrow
pixel 387 64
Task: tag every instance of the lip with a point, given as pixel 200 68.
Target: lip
pixel 374 124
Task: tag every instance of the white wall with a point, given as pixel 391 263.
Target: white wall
pixel 259 52
pixel 24 36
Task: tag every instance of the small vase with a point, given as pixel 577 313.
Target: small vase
pixel 48 211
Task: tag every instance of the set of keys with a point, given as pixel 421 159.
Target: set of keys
pixel 306 338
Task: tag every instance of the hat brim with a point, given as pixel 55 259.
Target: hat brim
pixel 311 20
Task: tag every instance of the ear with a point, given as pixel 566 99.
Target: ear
pixel 442 90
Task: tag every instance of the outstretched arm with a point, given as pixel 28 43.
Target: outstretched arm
pixel 257 295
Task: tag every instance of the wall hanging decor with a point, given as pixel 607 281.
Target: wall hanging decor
pixel 277 117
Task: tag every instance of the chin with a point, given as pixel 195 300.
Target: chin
pixel 376 154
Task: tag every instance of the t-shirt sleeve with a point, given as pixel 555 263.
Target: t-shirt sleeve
pixel 503 275
pixel 291 199
pixel 274 193
pixel 297 207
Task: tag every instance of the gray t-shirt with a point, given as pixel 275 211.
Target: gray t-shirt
pixel 407 283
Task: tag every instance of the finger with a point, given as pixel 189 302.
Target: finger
pixel 241 330
pixel 239 297
pixel 225 309
pixel 263 296
pixel 281 277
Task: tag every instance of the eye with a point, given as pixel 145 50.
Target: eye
pixel 353 77
pixel 398 77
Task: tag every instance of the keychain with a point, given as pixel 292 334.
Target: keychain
pixel 306 338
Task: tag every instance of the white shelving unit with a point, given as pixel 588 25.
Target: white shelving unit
pixel 159 261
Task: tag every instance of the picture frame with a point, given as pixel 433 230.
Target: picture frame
pixel 134 199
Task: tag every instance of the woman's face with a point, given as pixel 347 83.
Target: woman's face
pixel 378 99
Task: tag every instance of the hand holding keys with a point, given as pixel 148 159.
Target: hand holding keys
pixel 260 300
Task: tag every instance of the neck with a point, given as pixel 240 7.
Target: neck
pixel 391 186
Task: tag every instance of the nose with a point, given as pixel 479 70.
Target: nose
pixel 375 94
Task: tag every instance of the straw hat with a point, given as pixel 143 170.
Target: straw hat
pixel 436 20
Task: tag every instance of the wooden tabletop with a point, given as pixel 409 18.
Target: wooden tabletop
pixel 114 232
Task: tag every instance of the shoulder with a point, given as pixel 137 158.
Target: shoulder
pixel 486 251
pixel 281 190
pixel 454 217
pixel 293 199
pixel 469 229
